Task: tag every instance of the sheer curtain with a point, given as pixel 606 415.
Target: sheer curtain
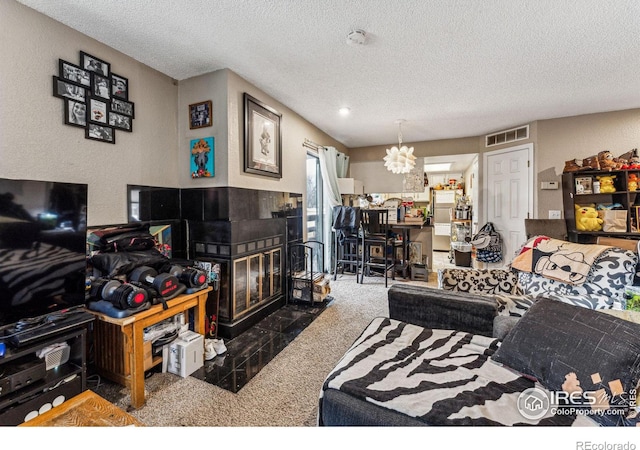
pixel 329 162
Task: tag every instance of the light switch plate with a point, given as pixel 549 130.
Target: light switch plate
pixel 548 185
pixel 555 214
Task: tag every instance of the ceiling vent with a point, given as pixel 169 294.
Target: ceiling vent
pixel 511 135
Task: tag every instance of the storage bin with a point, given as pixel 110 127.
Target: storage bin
pixel 462 253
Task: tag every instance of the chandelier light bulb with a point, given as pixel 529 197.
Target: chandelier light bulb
pixel 400 159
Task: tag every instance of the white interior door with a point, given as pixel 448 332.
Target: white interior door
pixel 509 194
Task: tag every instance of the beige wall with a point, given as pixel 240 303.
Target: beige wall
pixel 36 144
pixel 554 142
pixel 560 140
pixel 366 163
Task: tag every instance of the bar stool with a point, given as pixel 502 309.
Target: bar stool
pixel 376 233
pixel 346 226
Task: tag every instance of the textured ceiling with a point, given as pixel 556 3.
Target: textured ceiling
pixel 449 68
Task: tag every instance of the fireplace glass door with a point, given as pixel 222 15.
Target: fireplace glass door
pixel 257 278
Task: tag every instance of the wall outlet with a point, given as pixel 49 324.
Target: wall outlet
pixel 555 214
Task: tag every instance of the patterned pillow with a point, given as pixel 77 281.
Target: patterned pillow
pixel 572 349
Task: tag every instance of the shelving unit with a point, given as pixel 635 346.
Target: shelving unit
pixel 59 384
pixel 622 195
pixel 460 231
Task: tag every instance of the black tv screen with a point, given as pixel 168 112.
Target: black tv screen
pixel 43 231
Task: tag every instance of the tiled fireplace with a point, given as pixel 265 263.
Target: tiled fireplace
pixel 247 232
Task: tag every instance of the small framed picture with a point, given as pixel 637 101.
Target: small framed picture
pixel 200 115
pixel 123 107
pixel 65 89
pixel 119 87
pixel 120 121
pixel 100 133
pixel 93 64
pixel 97 111
pixel 74 74
pixel 584 185
pixel 101 87
pixel 75 113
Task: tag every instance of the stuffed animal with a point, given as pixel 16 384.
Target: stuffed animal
pixel 606 183
pixel 587 219
pixel 607 161
pixel 632 184
pixel 633 161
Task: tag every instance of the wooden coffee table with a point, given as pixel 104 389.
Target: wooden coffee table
pixel 87 409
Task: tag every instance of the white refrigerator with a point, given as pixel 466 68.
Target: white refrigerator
pixel 444 203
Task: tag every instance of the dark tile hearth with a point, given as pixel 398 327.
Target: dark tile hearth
pixel 252 350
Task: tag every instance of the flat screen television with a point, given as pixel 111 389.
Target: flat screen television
pixel 43 232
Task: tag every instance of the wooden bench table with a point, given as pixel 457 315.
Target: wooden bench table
pixel 84 410
pixel 119 343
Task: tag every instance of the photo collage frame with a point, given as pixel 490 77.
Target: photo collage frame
pixel 95 98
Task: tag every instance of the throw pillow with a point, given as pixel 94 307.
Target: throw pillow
pixel 573 349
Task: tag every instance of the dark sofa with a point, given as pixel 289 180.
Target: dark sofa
pixel 398 373
pixel 451 357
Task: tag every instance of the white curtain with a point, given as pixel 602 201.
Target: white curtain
pixel 328 157
pixel 342 164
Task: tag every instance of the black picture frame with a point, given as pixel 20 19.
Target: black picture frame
pixel 119 87
pixel 262 138
pixel 93 64
pixel 75 113
pixel 100 87
pixel 97 111
pixel 73 73
pixel 200 115
pixel 65 89
pixel 120 121
pixel 123 107
pixel 100 133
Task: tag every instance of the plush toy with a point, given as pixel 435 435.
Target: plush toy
pixel 633 161
pixel 606 183
pixel 632 184
pixel 607 161
pixel 587 219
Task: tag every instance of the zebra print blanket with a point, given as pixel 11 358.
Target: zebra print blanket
pixel 441 377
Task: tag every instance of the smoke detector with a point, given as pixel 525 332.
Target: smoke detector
pixel 357 37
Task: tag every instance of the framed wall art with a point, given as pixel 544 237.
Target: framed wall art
pixel 65 89
pixel 262 138
pixel 74 74
pixel 200 115
pixel 119 87
pixel 202 157
pixel 120 121
pixel 95 98
pixel 95 65
pixel 100 133
pixel 75 113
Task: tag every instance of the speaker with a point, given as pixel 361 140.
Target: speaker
pixel 43 402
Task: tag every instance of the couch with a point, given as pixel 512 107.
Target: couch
pixel 398 373
pixel 490 301
pixel 442 357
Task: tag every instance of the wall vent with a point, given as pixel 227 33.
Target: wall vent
pixel 511 135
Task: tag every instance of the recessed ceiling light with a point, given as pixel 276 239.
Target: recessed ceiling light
pixel 344 111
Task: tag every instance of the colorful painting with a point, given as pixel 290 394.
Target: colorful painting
pixel 202 158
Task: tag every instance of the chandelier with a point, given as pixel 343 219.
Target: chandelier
pixel 400 159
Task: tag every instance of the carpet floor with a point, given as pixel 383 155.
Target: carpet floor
pixel 285 392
